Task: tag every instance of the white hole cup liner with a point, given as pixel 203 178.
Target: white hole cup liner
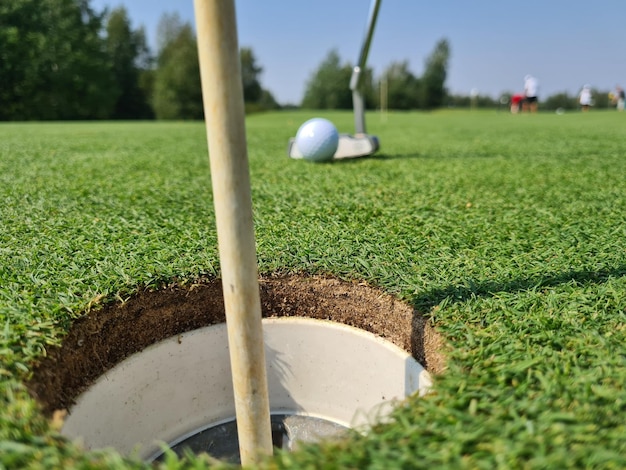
pixel 182 385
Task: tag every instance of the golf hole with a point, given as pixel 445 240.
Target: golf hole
pixel 338 376
pixel 154 369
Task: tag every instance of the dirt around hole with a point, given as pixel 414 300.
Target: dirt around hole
pixel 104 337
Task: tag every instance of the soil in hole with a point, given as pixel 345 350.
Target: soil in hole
pixel 104 337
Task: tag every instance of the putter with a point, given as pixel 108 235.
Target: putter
pixel 359 144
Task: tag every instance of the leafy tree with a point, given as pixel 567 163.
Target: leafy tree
pixel 177 90
pixel 128 52
pixel 601 99
pixel 434 78
pixel 406 91
pixel 146 85
pixel 255 96
pixel 402 87
pixel 168 29
pixel 368 90
pixel 560 100
pixel 328 87
pixel 176 86
pixel 267 100
pixel 52 61
pixel 250 71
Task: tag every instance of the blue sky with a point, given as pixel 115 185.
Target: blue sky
pixel 494 43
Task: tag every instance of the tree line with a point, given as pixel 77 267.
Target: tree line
pixel 397 87
pixel 62 60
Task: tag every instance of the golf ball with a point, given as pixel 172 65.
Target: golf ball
pixel 317 139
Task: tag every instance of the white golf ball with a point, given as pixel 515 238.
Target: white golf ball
pixel 317 139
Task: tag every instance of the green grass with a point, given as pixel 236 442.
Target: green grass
pixel 509 232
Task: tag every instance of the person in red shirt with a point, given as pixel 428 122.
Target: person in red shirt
pixel 516 102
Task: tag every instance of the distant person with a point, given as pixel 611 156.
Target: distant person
pixel 585 98
pixel 516 101
pixel 620 97
pixel 531 90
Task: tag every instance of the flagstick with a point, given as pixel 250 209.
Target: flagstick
pixel 225 123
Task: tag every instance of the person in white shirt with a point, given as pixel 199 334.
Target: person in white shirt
pixel 531 88
pixel 585 98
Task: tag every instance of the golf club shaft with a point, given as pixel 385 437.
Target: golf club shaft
pixel 359 69
pixel 369 33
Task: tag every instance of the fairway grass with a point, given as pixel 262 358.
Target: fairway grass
pixel 507 231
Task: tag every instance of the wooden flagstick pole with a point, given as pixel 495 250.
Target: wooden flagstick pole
pixel 222 92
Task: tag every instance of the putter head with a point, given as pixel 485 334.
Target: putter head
pixel 350 146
